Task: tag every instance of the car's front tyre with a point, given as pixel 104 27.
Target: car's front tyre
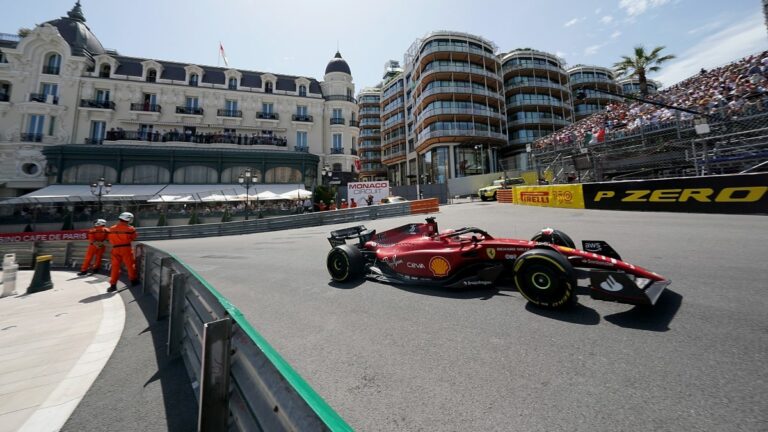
pixel 345 263
pixel 545 278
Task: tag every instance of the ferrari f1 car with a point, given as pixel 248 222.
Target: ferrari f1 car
pixel 545 269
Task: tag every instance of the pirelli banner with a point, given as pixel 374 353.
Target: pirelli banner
pixel 737 194
pixel 568 196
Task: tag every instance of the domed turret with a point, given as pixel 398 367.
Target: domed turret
pixel 79 37
pixel 337 64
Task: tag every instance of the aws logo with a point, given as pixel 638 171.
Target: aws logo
pixel 740 194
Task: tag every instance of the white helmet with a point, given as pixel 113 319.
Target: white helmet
pixel 100 222
pixel 126 216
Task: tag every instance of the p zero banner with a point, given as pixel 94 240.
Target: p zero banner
pixel 737 194
pixel 362 191
pixel 43 236
pixel 568 196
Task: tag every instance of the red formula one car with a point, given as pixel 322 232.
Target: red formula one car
pixel 545 269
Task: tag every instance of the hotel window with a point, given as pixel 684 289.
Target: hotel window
pixel 337 143
pixel 35 125
pixel 102 95
pixel 192 102
pixel 230 105
pixel 302 90
pixel 98 131
pixel 106 71
pixel 349 93
pixel 232 84
pixel 151 75
pixel 301 139
pixel 268 87
pixel 51 125
pixel 266 108
pixel 301 111
pixel 336 113
pixel 193 80
pixel 52 64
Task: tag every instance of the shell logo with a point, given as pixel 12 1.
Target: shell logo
pixel 439 266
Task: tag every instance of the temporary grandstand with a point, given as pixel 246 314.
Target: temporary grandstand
pixel 640 140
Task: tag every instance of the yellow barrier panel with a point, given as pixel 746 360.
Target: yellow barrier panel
pixel 567 196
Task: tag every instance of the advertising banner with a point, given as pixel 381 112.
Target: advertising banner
pixel 737 194
pixel 363 192
pixel 43 236
pixel 567 196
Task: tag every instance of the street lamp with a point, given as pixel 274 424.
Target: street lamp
pixel 101 187
pixel 327 175
pixel 246 179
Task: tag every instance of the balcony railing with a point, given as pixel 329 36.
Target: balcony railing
pixel 51 70
pixel 4 97
pixel 32 137
pixel 337 150
pixel 199 138
pixel 146 107
pixel 301 149
pixel 337 120
pixel 340 98
pixel 354 123
pixel 229 113
pixel 189 110
pixel 42 97
pixel 99 104
pixel 302 118
pixel 267 115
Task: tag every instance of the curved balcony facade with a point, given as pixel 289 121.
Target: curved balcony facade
pixel 583 78
pixel 538 96
pixel 368 102
pixel 456 93
pixel 632 86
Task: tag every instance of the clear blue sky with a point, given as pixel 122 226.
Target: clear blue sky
pixel 299 37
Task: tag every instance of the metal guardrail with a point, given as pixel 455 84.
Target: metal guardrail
pixel 241 382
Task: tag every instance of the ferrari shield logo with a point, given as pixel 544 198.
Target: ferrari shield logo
pixel 491 253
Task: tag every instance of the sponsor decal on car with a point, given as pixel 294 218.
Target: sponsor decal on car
pixel 510 256
pixel 476 283
pixel 611 284
pixel 414 265
pixel 491 253
pixel 393 261
pixel 439 266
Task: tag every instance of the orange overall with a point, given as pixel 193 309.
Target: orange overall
pixel 121 235
pixel 96 238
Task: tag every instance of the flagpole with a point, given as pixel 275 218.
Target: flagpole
pixel 218 57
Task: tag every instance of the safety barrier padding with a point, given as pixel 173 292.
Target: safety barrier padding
pixel 505 196
pixel 429 205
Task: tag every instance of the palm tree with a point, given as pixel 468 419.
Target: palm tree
pixel 641 64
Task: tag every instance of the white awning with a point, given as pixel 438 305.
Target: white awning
pixel 151 193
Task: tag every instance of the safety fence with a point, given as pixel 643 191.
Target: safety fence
pixel 733 194
pixel 240 381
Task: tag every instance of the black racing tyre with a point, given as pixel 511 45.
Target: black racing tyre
pixel 494 196
pixel 345 263
pixel 483 198
pixel 555 237
pixel 545 278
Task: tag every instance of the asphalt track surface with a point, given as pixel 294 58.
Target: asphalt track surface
pixel 389 358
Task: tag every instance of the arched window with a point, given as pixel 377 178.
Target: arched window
pixel 52 64
pixel 232 84
pixel 302 90
pixel 195 174
pixel 268 87
pixel 106 71
pixel 145 174
pixel 283 175
pixel 151 75
pixel 86 173
pixel 193 78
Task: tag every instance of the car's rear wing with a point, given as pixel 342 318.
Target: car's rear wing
pixel 340 237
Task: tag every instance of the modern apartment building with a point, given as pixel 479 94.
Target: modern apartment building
pixel 632 86
pixel 538 99
pixel 454 106
pixel 72 111
pixel 369 145
pixel 584 79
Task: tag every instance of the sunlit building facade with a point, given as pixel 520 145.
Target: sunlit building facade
pixel 586 81
pixel 369 144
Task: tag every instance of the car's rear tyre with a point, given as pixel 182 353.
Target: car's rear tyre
pixel 483 198
pixel 545 278
pixel 494 196
pixel 345 263
pixel 555 237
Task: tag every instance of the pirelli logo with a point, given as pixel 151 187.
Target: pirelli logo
pixel 541 197
pixel 738 194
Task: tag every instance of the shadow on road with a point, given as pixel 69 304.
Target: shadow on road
pixel 651 318
pixel 577 314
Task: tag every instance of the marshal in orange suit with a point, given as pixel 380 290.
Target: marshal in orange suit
pixel 96 238
pixel 120 236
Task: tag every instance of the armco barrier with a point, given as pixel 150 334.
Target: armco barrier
pixel 736 194
pixel 68 253
pixel 241 382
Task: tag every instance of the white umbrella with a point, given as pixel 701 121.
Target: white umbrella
pixel 296 194
pixel 268 195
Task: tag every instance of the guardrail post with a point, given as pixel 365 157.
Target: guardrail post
pixel 146 265
pixel 176 322
pixel 164 288
pixel 213 412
